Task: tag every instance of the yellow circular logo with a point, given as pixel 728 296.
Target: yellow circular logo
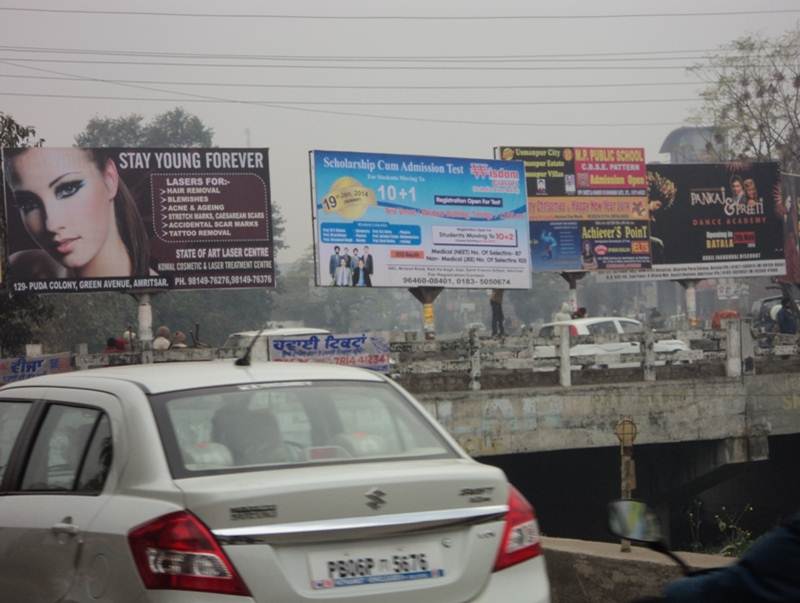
pixel 568 155
pixel 348 198
pixel 507 154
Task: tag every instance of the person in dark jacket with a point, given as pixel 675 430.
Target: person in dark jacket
pixel 768 572
pixel 787 322
pixel 361 276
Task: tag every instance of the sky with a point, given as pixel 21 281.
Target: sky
pixel 307 75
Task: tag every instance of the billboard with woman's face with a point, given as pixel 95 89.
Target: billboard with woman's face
pixel 136 219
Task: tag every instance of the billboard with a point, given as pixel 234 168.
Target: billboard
pixel 715 220
pixel 82 220
pixel 587 206
pixel 364 350
pixel 407 220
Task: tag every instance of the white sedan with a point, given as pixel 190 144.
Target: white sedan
pixel 603 327
pixel 210 482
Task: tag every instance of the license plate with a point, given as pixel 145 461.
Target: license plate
pixel 374 565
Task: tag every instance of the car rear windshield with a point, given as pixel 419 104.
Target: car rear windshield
pixel 257 425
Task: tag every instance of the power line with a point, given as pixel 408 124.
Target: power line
pixel 218 84
pixel 366 67
pixel 344 113
pixel 490 103
pixel 554 57
pixel 409 58
pixel 205 98
pixel 489 17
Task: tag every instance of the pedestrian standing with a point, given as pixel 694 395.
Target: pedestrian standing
pixel 496 303
pixel 787 321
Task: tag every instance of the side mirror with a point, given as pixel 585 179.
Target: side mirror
pixel 634 520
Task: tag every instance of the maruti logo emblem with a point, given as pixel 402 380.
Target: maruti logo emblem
pixel 375 498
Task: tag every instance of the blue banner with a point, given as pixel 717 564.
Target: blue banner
pixel 408 220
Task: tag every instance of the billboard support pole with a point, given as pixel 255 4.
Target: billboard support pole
pixel 689 286
pixel 426 296
pixel 145 326
pixel 572 279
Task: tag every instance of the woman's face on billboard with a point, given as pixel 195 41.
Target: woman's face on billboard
pixel 66 203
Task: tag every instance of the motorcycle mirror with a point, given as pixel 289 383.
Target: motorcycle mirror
pixel 634 520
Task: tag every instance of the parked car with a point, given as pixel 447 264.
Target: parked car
pixel 211 482
pixel 242 339
pixel 604 326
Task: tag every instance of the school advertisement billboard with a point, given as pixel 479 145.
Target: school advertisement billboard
pixel 408 220
pixel 81 220
pixel 587 206
pixel 715 220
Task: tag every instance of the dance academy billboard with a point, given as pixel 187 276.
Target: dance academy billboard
pixel 587 207
pixel 408 221
pixel 136 219
pixel 715 220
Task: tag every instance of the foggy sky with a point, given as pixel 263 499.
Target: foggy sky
pixel 289 134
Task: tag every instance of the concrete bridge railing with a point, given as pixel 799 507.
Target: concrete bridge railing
pixel 471 362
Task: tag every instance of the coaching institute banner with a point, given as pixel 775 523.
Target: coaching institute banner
pixel 408 220
pixel 82 220
pixel 715 220
pixel 587 207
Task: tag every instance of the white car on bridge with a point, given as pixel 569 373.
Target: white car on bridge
pixel 603 327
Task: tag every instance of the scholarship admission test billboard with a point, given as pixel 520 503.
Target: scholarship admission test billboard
pixel 587 206
pixel 80 219
pixel 407 221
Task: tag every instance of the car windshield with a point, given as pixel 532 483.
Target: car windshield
pixel 278 424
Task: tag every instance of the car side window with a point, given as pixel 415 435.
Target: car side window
pixel 98 459
pixel 629 326
pixel 12 416
pixel 546 332
pixel 59 448
pixel 607 327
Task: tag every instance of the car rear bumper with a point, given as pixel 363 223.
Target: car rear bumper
pixel 522 583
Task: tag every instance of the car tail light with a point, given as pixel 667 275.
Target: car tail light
pixel 521 533
pixel 178 552
pixel 573 331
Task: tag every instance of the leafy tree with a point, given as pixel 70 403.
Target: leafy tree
pixel 175 128
pixel 19 315
pixel 752 98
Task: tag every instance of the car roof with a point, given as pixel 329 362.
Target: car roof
pixel 283 332
pixel 174 376
pixel 588 321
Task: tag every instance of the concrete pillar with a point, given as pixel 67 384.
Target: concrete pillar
pixel 564 366
pixel 145 317
pixel 649 355
pixel 748 347
pixel 81 356
pixel 33 349
pixel 474 360
pixel 691 302
pixel 733 348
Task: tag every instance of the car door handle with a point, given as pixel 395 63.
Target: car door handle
pixel 70 529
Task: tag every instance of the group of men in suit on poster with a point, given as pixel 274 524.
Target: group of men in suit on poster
pixel 350 270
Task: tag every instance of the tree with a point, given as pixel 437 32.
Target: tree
pixel 19 315
pixel 752 98
pixel 175 128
